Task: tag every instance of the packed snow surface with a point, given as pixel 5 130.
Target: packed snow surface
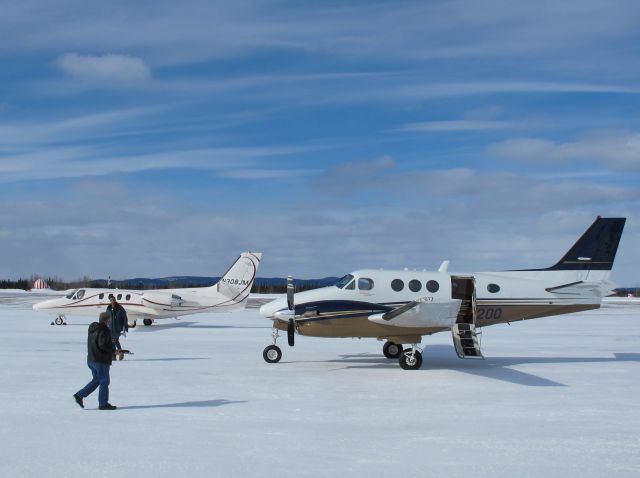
pixel 554 397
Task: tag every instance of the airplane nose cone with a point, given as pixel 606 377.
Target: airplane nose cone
pixel 265 310
pixel 268 309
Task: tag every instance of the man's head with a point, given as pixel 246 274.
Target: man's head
pixel 104 318
pixel 112 300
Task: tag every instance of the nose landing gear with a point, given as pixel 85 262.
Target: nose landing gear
pixel 272 353
pixel 411 359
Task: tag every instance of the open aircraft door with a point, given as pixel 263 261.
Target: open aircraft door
pixel 465 339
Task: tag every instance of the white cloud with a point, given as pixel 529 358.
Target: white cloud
pixel 104 69
pixel 618 150
pixel 458 125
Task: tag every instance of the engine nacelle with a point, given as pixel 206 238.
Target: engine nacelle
pixel 161 300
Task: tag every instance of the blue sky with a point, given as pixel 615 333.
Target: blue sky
pixel 163 138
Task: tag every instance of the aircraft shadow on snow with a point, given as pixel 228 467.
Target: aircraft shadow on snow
pixel 191 404
pixel 438 357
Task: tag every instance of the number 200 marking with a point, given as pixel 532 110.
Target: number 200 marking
pixel 489 313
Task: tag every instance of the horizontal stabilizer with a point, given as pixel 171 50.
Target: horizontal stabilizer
pixel 426 312
pixel 583 289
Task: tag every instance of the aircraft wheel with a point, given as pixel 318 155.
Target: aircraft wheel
pixel 392 350
pixel 59 320
pixel 411 363
pixel 272 354
pixel 147 322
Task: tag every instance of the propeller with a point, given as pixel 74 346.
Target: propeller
pixel 291 328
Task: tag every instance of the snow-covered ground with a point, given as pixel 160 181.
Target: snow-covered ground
pixel 555 397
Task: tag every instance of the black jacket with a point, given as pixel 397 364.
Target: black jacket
pixel 99 346
pixel 119 321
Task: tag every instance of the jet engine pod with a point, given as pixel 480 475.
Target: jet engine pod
pixel 161 300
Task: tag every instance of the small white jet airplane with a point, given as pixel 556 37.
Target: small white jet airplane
pixel 230 293
pixel 402 306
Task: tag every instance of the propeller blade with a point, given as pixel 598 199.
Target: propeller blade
pixel 291 328
pixel 290 292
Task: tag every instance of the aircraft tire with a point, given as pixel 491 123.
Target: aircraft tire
pixel 272 354
pixel 147 322
pixel 415 364
pixel 59 320
pixel 391 350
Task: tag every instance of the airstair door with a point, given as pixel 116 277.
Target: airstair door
pixel 463 331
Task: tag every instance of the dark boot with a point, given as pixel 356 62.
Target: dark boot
pixel 78 400
pixel 107 406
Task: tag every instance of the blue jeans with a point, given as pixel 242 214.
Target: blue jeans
pixel 100 373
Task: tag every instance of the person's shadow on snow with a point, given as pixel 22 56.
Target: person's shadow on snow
pixel 202 403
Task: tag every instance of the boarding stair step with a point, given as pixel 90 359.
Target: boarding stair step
pixel 465 341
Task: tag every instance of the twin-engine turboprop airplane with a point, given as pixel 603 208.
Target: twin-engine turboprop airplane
pixel 402 306
pixel 230 293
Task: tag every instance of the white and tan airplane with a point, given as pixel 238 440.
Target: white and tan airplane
pixel 402 306
pixel 228 294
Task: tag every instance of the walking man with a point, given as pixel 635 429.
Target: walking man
pixel 119 323
pixel 99 356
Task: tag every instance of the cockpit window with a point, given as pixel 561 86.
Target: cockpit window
pixel 80 294
pixel 344 281
pixel 365 284
pixel 351 285
pixel 70 294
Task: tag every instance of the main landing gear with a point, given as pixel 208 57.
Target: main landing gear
pixel 147 322
pixel 392 350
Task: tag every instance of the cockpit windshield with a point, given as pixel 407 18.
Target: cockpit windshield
pixel 344 281
pixel 70 294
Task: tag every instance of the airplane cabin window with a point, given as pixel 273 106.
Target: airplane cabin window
pixel 80 294
pixel 119 296
pixel 351 285
pixel 493 288
pixel 365 284
pixel 128 297
pixel 344 281
pixel 415 285
pixel 397 285
pixel 101 296
pixel 433 286
pixel 70 294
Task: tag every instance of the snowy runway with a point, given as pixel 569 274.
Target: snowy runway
pixel 555 397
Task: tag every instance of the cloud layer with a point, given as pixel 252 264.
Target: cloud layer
pixel 330 136
pixel 104 69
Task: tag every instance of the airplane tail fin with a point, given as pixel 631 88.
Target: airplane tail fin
pixel 595 250
pixel 236 283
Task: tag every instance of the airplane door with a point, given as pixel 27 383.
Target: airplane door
pixel 464 288
pixel 465 339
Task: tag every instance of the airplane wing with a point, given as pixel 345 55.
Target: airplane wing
pixel 425 312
